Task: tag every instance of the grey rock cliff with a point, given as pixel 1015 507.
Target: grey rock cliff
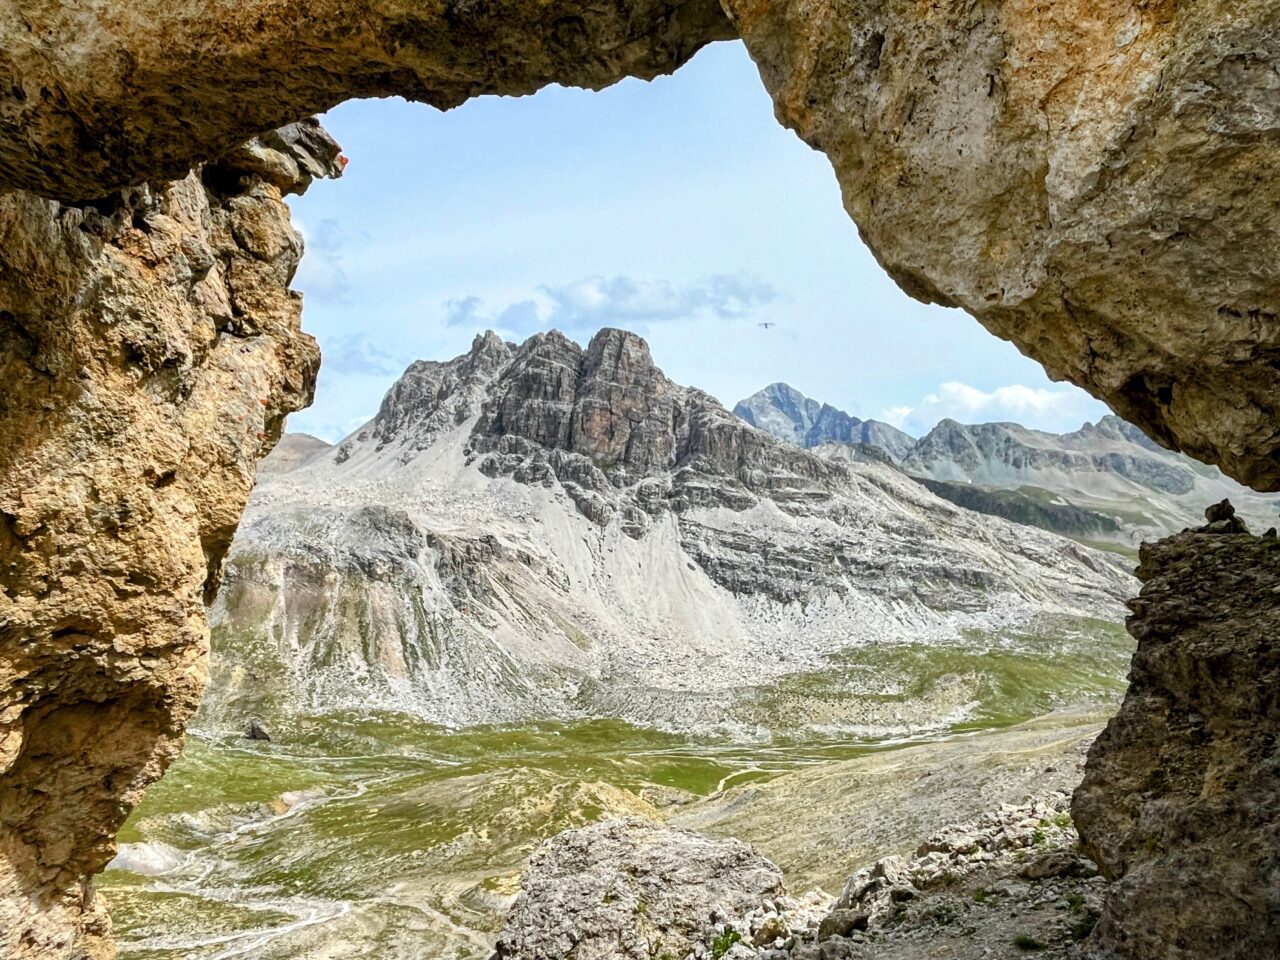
pixel 1180 804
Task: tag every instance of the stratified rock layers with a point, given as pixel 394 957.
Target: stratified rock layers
pixel 150 348
pixel 1180 803
pixel 1093 181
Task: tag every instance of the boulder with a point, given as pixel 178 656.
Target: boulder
pixel 634 890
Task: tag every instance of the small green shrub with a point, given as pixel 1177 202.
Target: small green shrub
pixel 1083 926
pixel 1024 941
pixel 721 945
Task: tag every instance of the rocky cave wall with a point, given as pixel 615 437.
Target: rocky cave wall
pixel 1093 181
pixel 150 349
pixel 1180 804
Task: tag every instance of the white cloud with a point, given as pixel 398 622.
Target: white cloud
pixel 354 353
pixel 321 274
pixel 1058 408
pixel 896 416
pixel 585 305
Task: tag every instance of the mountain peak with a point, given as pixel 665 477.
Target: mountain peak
pixel 490 344
pixel 621 357
pixel 786 413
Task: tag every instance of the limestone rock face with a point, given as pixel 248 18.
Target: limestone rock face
pixel 1180 803
pixel 606 417
pixel 149 349
pixel 1093 181
pixel 103 94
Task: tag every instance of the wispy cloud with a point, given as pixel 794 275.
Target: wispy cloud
pixel 321 275
pixel 592 302
pixel 354 353
pixel 1057 408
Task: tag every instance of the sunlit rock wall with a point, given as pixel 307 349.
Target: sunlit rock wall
pixel 150 348
pixel 1095 181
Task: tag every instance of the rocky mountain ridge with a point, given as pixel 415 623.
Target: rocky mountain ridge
pixel 785 412
pixel 545 529
pixel 1110 470
pixel 1106 482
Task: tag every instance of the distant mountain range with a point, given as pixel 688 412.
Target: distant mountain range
pixel 543 529
pixel 1106 482
pixel 788 414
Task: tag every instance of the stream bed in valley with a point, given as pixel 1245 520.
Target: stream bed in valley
pixel 379 835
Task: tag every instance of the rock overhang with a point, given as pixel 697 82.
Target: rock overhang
pixel 102 95
pixel 1092 182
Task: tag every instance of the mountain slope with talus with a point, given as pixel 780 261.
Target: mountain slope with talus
pixel 547 530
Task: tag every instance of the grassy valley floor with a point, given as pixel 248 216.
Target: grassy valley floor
pixel 382 836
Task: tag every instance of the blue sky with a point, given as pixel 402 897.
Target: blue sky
pixel 679 209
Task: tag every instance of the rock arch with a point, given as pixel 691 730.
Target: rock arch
pixel 1094 181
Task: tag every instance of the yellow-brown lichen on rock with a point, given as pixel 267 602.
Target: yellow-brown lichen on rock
pixel 150 348
pixel 1094 181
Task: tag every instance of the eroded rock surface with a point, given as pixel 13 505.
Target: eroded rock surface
pixel 1007 884
pixel 1093 181
pixel 1180 802
pixel 103 94
pixel 634 890
pixel 150 348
